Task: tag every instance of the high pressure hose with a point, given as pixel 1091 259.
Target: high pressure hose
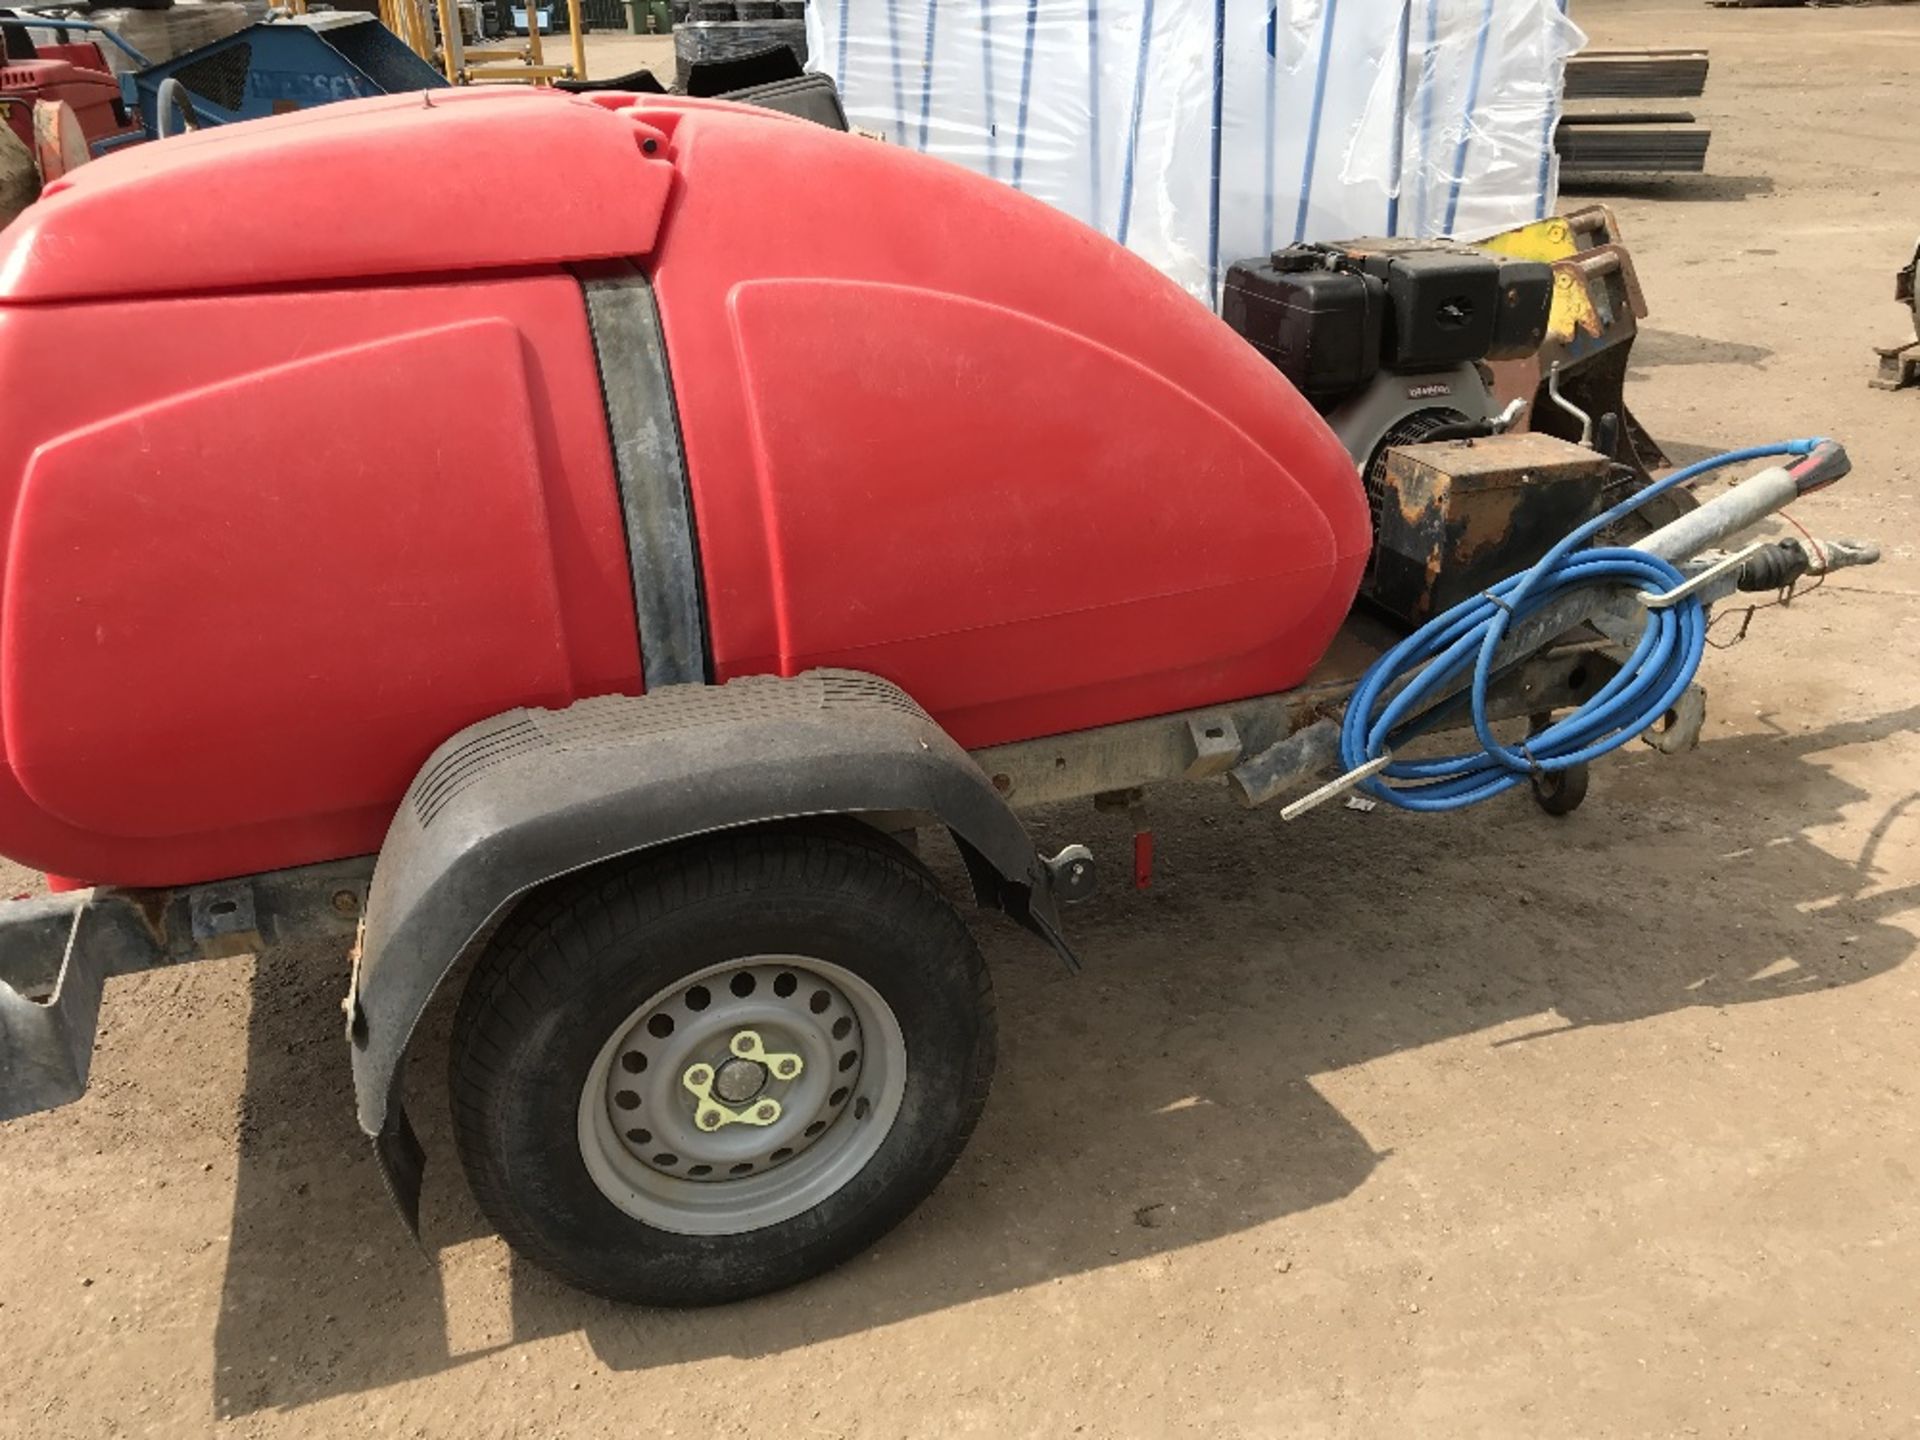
pixel 1379 718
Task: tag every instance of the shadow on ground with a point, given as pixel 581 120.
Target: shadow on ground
pixel 1669 187
pixel 1265 955
pixel 1653 348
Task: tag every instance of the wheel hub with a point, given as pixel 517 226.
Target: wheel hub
pixel 738 1081
pixel 740 1076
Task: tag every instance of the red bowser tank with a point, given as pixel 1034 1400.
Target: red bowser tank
pixel 309 460
pixel 570 548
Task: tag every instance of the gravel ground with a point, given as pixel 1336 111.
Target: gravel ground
pixel 1371 1126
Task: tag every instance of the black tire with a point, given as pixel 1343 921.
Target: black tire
pixel 1561 792
pixel 574 963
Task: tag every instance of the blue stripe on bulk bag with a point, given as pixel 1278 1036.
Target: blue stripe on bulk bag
pixel 1026 90
pixel 1133 121
pixel 1273 100
pixel 1428 68
pixel 926 74
pixel 1546 134
pixel 986 80
pixel 1313 119
pixel 1397 158
pixel 1093 115
pixel 840 62
pixel 1466 119
pixel 899 90
pixel 1213 187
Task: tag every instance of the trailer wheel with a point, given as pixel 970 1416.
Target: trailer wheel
pixel 1561 791
pixel 1558 792
pixel 712 1073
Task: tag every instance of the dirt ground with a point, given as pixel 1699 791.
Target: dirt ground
pixel 1486 1125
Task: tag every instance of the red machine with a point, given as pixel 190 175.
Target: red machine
pixel 75 75
pixel 1040 497
pixel 595 588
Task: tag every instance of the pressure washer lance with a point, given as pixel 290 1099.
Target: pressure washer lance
pixel 1636 595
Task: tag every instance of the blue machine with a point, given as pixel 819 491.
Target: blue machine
pixel 274 67
pixel 268 68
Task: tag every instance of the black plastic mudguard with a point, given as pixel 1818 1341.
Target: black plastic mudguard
pixel 525 797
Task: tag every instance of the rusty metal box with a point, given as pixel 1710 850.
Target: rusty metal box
pixel 1452 517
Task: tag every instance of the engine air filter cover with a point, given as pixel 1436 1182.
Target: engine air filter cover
pixel 1318 324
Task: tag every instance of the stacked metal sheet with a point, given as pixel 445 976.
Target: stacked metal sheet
pixel 1636 75
pixel 1662 144
pixel 1591 142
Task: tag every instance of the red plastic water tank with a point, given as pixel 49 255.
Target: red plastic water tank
pixel 304 468
pixel 347 486
pixel 940 431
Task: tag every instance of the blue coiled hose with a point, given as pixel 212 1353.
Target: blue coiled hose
pixel 1661 666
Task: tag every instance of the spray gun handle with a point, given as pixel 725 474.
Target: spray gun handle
pixel 1826 464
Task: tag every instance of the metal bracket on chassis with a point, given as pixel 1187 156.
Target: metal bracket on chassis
pixel 47 1020
pixel 1263 746
pixel 58 951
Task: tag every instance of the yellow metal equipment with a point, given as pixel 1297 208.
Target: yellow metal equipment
pixel 1585 255
pixel 1597 307
pixel 408 19
pixel 526 64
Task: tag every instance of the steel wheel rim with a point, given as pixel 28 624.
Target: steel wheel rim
pixel 834 1115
